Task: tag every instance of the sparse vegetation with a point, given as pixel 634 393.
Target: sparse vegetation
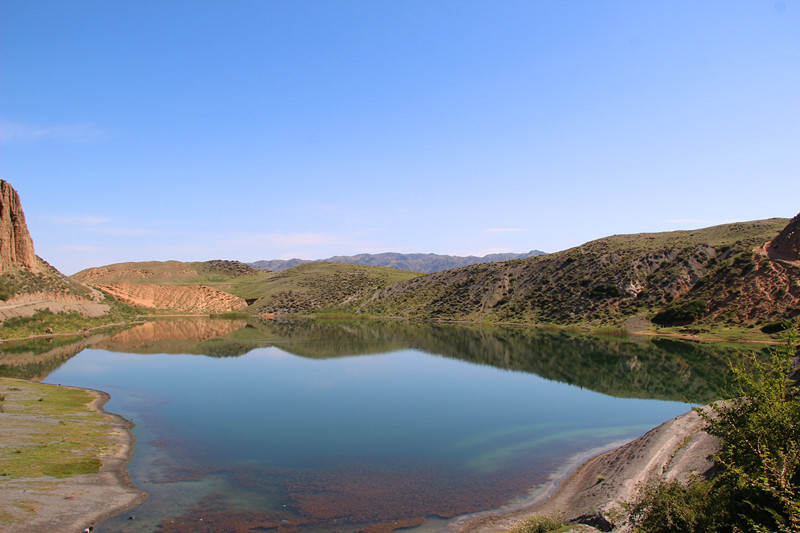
pixel 599 283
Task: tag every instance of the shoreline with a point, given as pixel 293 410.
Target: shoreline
pixel 117 465
pixel 536 495
pixel 594 488
pixel 79 501
pixel 80 333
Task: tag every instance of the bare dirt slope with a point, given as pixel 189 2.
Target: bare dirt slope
pixel 189 299
pixel 28 304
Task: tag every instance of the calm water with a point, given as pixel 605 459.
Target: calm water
pixel 361 426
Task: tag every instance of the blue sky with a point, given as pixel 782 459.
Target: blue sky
pixel 197 130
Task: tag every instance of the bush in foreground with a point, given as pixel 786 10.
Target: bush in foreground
pixel 757 482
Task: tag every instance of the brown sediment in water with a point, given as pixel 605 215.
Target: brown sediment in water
pixel 364 498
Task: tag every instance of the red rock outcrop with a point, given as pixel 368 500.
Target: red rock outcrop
pixel 786 245
pixel 16 245
pixel 189 299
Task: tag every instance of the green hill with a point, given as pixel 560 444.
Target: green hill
pixel 427 263
pixel 318 286
pixel 604 282
pixel 306 288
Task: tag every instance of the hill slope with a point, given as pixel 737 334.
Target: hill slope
pixel 221 286
pixel 201 287
pixel 601 282
pixel 318 285
pixel 427 263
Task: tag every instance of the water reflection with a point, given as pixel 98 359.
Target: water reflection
pixel 636 367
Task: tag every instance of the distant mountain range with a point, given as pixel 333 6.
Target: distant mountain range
pixel 427 263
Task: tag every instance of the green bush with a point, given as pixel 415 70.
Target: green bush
pixel 777 327
pixel 668 507
pixel 604 291
pixel 680 313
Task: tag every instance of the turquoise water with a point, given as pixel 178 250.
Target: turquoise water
pixel 271 441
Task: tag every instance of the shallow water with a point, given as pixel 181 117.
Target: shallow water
pixel 326 441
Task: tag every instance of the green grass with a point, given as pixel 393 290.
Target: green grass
pixel 50 431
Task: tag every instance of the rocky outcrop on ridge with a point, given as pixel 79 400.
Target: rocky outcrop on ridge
pixel 189 299
pixel 786 245
pixel 16 245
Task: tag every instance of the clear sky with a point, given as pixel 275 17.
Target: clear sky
pixel 197 129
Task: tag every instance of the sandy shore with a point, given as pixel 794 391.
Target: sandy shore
pixel 672 451
pixel 76 502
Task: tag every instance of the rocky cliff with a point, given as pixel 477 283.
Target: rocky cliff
pixel 16 245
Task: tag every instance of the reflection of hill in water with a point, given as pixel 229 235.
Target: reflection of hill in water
pixel 620 366
pixel 37 358
pixel 175 336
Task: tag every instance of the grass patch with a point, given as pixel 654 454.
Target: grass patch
pixel 50 431
pixel 540 523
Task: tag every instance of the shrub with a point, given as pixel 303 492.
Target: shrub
pixel 540 523
pixel 670 506
pixel 604 291
pixel 759 432
pixel 680 313
pixel 777 327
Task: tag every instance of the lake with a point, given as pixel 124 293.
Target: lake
pixel 325 426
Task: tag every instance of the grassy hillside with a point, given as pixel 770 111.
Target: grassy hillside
pixel 427 263
pixel 222 275
pixel 602 282
pixel 302 289
pixel 318 286
pixel 47 279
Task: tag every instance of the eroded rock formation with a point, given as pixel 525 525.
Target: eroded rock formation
pixel 16 245
pixel 189 299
